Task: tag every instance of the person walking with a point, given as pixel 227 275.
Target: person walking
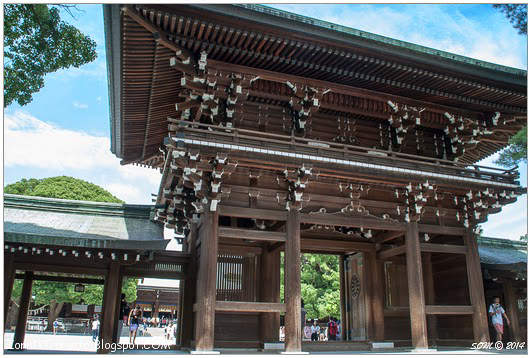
pixel 95 328
pixel 135 317
pixel 55 326
pixel 497 313
pixel 315 329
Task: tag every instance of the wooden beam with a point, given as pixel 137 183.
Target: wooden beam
pixel 206 282
pixel 338 246
pixel 110 291
pixel 388 236
pixel 442 248
pixel 385 254
pixel 368 223
pixel 449 310
pixel 417 308
pixel 292 283
pixel 25 266
pixel 396 311
pixel 264 214
pixel 85 280
pixel 511 306
pixel 255 235
pixel 475 289
pixel 25 297
pixel 9 278
pixel 237 306
pixel 441 230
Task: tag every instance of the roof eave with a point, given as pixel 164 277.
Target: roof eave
pixel 317 28
pixel 112 19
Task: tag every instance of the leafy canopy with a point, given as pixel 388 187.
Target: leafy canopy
pixel 319 285
pixel 517 15
pixel 62 187
pixel 516 152
pixel 37 42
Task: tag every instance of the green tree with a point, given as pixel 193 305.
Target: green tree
pixel 62 187
pixel 517 15
pixel 56 294
pixel 37 42
pixel 523 238
pixel 319 285
pixel 516 152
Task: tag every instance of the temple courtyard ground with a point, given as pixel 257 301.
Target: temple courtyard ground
pixel 37 343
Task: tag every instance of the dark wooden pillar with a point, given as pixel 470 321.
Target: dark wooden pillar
pixel 292 283
pixel 342 300
pixel 115 333
pixel 25 297
pixel 206 283
pixel 111 289
pixel 511 308
pixel 430 293
pixel 189 291
pixel 417 306
pixel 475 289
pixel 375 295
pixel 270 292
pixel 9 280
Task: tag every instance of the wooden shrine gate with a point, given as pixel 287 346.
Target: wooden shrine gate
pixel 276 132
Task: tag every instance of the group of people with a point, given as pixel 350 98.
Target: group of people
pixel 316 332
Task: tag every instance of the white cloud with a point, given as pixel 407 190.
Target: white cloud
pixel 80 105
pixel 31 144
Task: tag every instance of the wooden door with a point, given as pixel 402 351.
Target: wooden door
pixel 356 298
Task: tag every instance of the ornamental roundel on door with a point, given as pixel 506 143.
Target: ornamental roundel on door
pixel 355 286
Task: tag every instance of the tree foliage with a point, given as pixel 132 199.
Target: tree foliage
pixel 37 42
pixel 319 285
pixel 62 187
pixel 517 15
pixel 516 152
pixel 55 294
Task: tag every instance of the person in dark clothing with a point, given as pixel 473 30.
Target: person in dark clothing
pixel 332 329
pixel 135 317
pixel 124 313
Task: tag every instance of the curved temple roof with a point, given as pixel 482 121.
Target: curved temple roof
pixel 143 89
pixel 48 221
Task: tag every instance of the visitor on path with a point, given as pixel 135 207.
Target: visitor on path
pixel 124 313
pixel 338 335
pixel 315 329
pixel 95 328
pixel 332 329
pixel 303 317
pixel 307 331
pixel 55 326
pixel 496 312
pixel 135 317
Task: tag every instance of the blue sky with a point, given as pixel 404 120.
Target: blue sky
pixel 65 130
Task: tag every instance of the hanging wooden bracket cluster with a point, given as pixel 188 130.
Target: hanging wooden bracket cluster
pixel 474 207
pixel 195 187
pixel 347 131
pixel 402 119
pixel 297 181
pixel 304 101
pixel 416 196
